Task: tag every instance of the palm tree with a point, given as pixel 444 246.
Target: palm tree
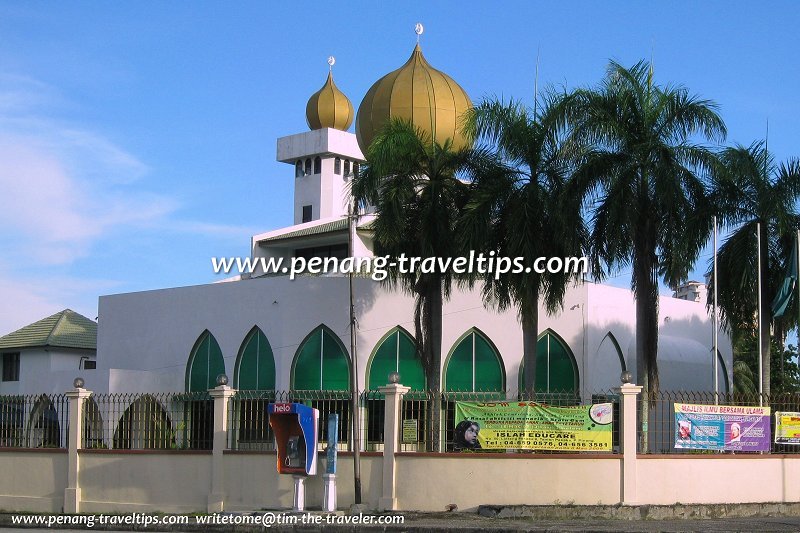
pixel 751 190
pixel 524 209
pixel 414 185
pixel 644 174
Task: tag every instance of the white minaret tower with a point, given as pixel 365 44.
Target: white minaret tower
pixel 325 158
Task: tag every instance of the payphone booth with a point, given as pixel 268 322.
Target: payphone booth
pixel 295 428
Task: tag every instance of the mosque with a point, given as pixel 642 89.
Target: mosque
pixel 268 332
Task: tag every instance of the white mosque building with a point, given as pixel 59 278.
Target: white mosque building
pixel 269 332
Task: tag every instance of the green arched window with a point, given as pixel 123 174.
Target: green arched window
pixel 396 352
pixel 205 364
pixel 556 369
pixel 321 363
pixel 255 366
pixel 474 365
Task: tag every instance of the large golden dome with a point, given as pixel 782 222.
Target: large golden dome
pixel 429 98
pixel 329 108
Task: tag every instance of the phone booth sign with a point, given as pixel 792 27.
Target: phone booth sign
pixel 295 428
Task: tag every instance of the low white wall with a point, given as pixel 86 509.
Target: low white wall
pixel 174 482
pixel 430 482
pixel 33 480
pixel 252 482
pixel 668 479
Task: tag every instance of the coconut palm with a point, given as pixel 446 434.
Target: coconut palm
pixel 414 185
pixel 644 178
pixel 751 190
pixel 524 209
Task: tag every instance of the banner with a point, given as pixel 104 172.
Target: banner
pixel 787 428
pixel 722 427
pixel 530 426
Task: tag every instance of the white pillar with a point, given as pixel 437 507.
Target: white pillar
pixel 72 494
pixel 391 427
pixel 221 396
pixel 628 393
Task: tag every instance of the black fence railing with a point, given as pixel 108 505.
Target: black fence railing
pixel 34 421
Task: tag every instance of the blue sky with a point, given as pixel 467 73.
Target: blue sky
pixel 138 140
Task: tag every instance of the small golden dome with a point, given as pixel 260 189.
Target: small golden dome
pixel 429 98
pixel 329 108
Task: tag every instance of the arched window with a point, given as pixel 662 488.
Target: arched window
pixel 396 352
pixel 308 166
pixel 346 167
pixel 474 365
pixel 317 165
pixel 44 430
pixel 355 169
pixel 556 368
pixel 337 166
pixel 255 365
pixel 205 364
pixel 298 169
pixel 321 363
pixel 144 425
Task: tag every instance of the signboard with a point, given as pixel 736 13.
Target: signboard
pixel 722 427
pixel 410 430
pixel 531 426
pixel 787 428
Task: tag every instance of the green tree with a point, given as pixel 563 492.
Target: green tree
pixel 415 187
pixel 644 176
pixel 524 209
pixel 749 190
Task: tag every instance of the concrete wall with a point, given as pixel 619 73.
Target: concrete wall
pixel 33 480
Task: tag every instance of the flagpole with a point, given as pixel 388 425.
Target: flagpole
pixel 716 339
pixel 760 354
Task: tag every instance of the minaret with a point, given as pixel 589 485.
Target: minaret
pixel 324 158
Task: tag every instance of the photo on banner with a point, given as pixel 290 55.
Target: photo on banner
pixel 787 427
pixel 530 426
pixel 722 427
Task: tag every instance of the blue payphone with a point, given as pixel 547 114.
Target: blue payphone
pixel 295 428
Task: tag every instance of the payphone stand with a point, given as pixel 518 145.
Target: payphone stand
pixel 295 428
pixel 329 477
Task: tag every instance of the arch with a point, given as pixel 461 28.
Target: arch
pixel 255 364
pixel 308 167
pixel 723 370
pixel 556 368
pixel 92 425
pixel 356 168
pixel 205 364
pixel 321 362
pixel 474 364
pixel 346 167
pixel 144 425
pixel 44 430
pixel 337 165
pixel 395 351
pixel 318 165
pixel 298 169
pixel 606 365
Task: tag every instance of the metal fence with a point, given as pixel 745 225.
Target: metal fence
pixel 662 432
pixel 34 421
pixel 158 421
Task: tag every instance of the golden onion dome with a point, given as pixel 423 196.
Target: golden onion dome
pixel 417 92
pixel 329 108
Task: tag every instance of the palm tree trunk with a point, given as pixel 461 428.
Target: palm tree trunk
pixel 530 338
pixel 428 330
pixel 765 317
pixel 646 293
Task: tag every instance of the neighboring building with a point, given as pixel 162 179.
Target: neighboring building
pixel 693 291
pixel 46 356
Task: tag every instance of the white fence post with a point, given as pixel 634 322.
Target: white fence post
pixel 627 435
pixel 221 396
pixel 393 393
pixel 72 494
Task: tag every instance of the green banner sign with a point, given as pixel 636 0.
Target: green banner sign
pixel 531 426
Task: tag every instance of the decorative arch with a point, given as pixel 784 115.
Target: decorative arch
pixel 317 165
pixel 395 352
pixel 145 425
pixel 610 336
pixel 92 425
pixel 556 368
pixel 298 169
pixel 255 363
pixel 321 362
pixel 205 364
pixel 723 369
pixel 44 430
pixel 474 364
